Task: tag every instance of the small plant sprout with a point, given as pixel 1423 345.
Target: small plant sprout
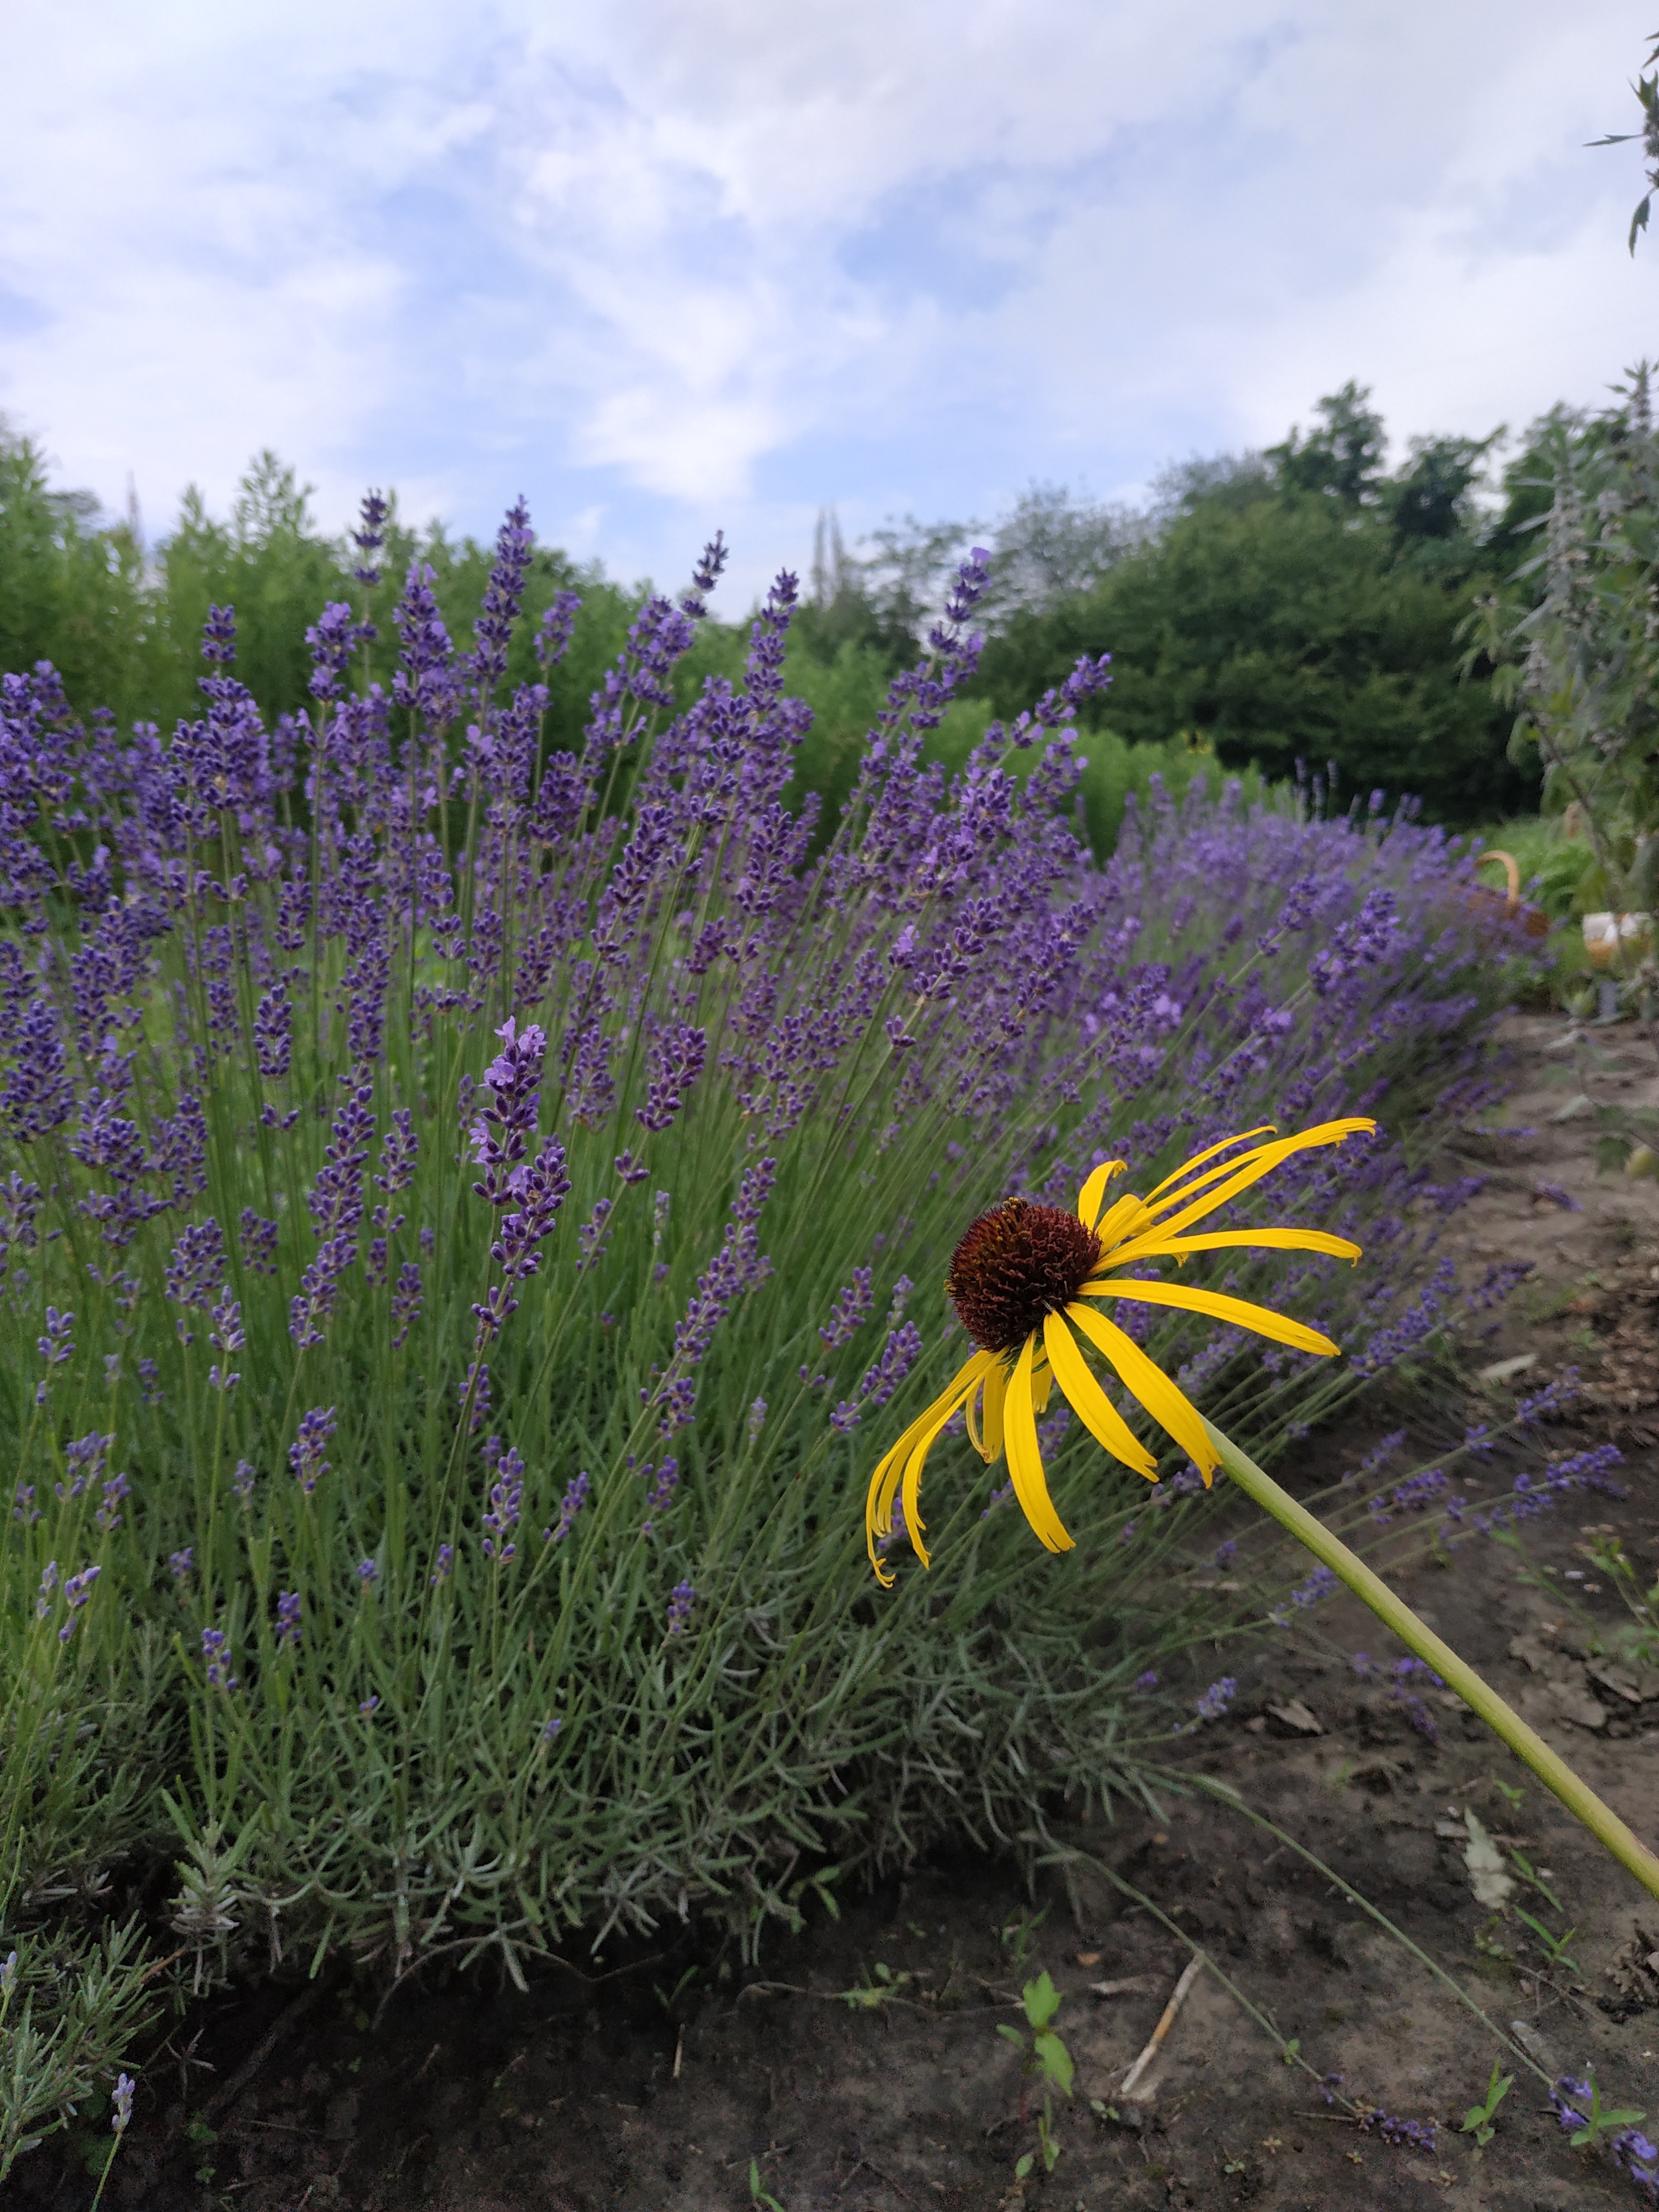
pixel 1045 2059
pixel 758 2192
pixel 1554 1948
pixel 1480 2121
pixel 1587 2127
pixel 883 1986
pixel 1015 1936
pixel 1530 1875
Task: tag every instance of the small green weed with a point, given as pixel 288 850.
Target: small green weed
pixel 1554 1948
pixel 1016 1934
pixel 1478 2120
pixel 1044 2058
pixel 882 1988
pixel 1601 2123
pixel 758 2192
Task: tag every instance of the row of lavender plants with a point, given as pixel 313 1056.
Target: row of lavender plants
pixel 470 1215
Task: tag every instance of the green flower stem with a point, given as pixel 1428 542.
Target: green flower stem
pixel 1524 1741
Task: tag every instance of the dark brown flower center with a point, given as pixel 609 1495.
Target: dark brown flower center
pixel 1016 1264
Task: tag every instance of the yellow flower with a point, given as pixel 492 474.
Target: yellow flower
pixel 1018 1280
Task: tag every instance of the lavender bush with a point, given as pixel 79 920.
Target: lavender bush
pixel 462 1205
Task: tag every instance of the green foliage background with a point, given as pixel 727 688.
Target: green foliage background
pixel 1302 605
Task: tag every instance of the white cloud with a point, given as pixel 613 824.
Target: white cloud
pixel 663 268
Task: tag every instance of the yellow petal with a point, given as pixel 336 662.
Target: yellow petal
pixel 1229 1240
pixel 1209 1153
pixel 1219 1307
pixel 1267 1157
pixel 1094 1190
pixel 1148 1381
pixel 996 1396
pixel 1126 1218
pixel 913 1523
pixel 1094 1408
pixel 1042 1382
pixel 1025 1460
pixel 1325 1133
pixel 914 1443
pixel 985 1406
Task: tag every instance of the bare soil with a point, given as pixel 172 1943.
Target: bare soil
pixel 648 2079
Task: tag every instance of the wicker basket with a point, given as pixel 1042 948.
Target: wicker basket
pixel 1533 919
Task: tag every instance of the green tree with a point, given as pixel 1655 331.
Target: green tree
pixel 1342 458
pixel 1300 605
pixel 72 591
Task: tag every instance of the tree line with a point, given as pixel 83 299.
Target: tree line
pixel 1301 603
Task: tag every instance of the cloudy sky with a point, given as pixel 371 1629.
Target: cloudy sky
pixel 664 268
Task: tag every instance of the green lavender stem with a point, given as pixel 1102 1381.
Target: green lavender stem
pixel 1395 1614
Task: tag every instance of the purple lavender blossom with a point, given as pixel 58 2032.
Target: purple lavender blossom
pixel 534 1190
pixel 258 1242
pixel 182 1564
pixel 1529 1496
pixel 444 1565
pixel 287 1616
pixel 116 1490
pixel 680 1604
pixel 738 1266
pixel 1052 1429
pixel 368 1572
pixel 226 1337
pixel 593 1236
pixel 756 1420
pixel 242 1482
pixel 120 2099
pixel 1378 1456
pixel 336 1204
pixel 512 1080
pixel 305 1454
pixel 1318 1586
pixel 674 1064
pixel 1400 1680
pixel 474 1392
pixel 405 1301
pixel 851 1309
pixel 661 1496
pixel 369 536
pixel 77 1588
pixel 557 625
pixel 84 1459
pixel 899 1355
pixel 1554 1397
pixel 1557 1195
pixel 216 1652
pixel 1211 1706
pixel 575 1497
pixel 1414 2134
pixel 56 1345
pixel 506 1504
pixel 196 1273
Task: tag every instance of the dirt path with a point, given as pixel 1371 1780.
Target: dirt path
pixel 648 2082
